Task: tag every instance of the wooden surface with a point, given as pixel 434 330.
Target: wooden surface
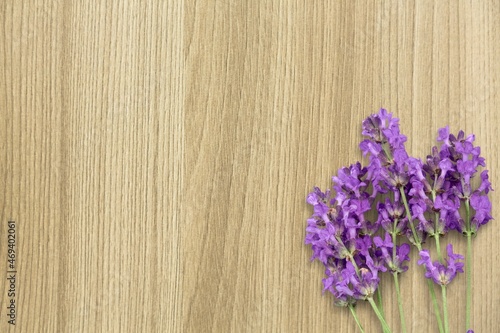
pixel 156 155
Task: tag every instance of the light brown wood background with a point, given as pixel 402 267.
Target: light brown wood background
pixel 156 155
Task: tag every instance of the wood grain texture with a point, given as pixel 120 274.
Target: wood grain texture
pixel 157 154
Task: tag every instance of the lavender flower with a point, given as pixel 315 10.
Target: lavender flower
pixel 365 284
pixel 392 216
pixel 482 205
pixel 448 205
pixel 395 261
pixel 439 273
pixel 337 283
pixel 463 160
pixel 341 237
pixel 391 170
pixel 385 147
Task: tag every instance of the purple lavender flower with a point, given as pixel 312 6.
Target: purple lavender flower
pixel 385 147
pixel 392 170
pixel 443 135
pixel 482 205
pixel 319 201
pixel 353 200
pixel 464 160
pixel 349 180
pixel 340 236
pixel 365 284
pixel 485 183
pixel 422 188
pixel 418 210
pixel 448 206
pixel 444 166
pixel 375 261
pixel 390 213
pixel 465 157
pixel 416 169
pixel 337 282
pixel 402 255
pixel 395 261
pixel 439 273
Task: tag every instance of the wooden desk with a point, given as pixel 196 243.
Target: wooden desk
pixel 156 155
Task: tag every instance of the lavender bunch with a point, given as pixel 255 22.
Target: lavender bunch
pixel 413 199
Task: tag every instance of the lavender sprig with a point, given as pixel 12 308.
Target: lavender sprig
pixel 465 161
pixel 341 239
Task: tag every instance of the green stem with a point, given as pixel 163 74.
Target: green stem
pixel 387 152
pixel 468 268
pixel 467 215
pixel 468 271
pixel 445 309
pixel 354 314
pixel 400 303
pixel 379 296
pixel 350 258
pixel 355 266
pixel 410 220
pixel 430 284
pixel 419 247
pixel 396 281
pixel 379 315
pixel 438 247
pixel 436 223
